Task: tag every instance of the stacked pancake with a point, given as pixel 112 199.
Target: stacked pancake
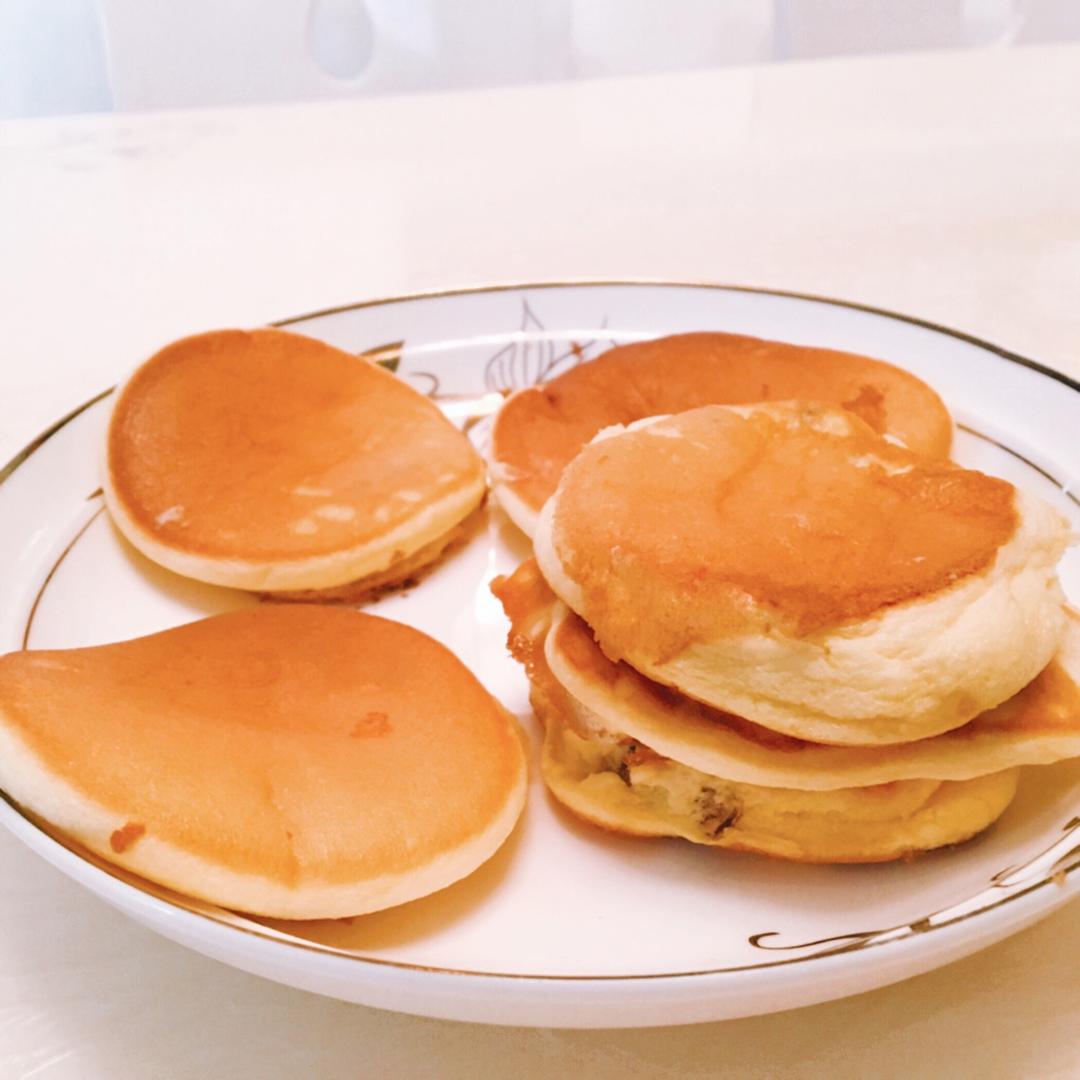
pixel 770 628
pixel 298 761
pixel 269 461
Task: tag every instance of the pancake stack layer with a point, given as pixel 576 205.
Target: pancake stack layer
pixel 769 628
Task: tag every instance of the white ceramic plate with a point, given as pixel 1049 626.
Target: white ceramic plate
pixel 569 926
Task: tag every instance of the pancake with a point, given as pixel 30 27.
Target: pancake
pixel 296 761
pixel 541 428
pixel 1037 726
pixel 269 461
pixel 625 785
pixel 856 825
pixel 783 563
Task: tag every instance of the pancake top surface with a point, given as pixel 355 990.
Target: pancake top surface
pixel 268 445
pixel 540 429
pixel 295 742
pixel 689 528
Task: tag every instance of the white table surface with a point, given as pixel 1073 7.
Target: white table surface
pixel 945 186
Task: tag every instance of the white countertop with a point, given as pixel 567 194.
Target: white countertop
pixel 943 186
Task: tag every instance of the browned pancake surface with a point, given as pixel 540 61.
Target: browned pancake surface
pixel 295 743
pixel 266 445
pixel 679 523
pixel 540 429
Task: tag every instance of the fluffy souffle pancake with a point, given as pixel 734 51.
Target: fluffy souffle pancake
pixel 541 428
pixel 296 761
pixel 623 784
pixel 784 563
pixel 1037 726
pixel 269 461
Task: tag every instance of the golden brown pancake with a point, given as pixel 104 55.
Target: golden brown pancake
pixel 299 761
pixel 785 563
pixel 855 825
pixel 269 461
pixel 623 784
pixel 1037 726
pixel 540 429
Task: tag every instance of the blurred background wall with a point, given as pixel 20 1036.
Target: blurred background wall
pixel 71 56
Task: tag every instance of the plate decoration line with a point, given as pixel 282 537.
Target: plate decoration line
pixel 390 355
pixel 528 360
pixel 1061 856
pixel 95 514
pixel 1047 863
pixel 386 356
pixel 1060 484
